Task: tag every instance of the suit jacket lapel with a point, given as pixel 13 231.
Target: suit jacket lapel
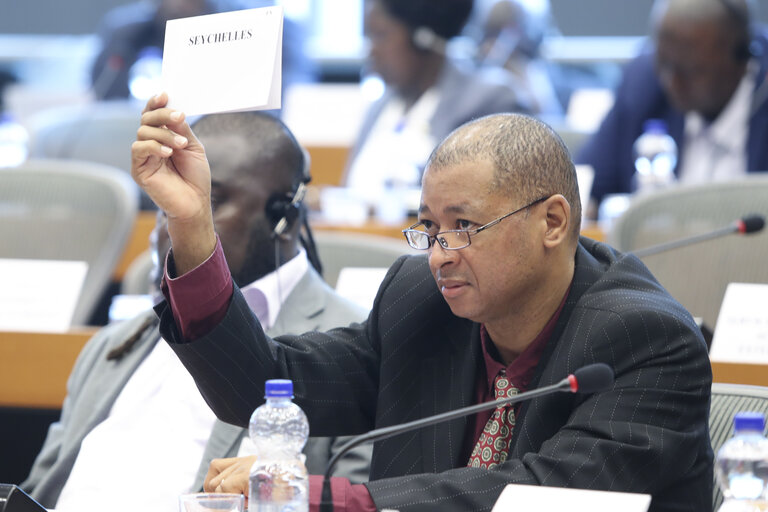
pixel 585 272
pixel 107 385
pixel 305 302
pixel 449 379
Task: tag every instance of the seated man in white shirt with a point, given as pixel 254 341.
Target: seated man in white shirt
pixel 705 77
pixel 134 431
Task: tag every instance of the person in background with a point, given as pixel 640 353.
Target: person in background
pixel 507 298
pixel 511 39
pixel 137 30
pixel 427 95
pixel 134 431
pixel 706 78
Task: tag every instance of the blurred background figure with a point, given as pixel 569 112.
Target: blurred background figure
pixel 704 78
pixel 512 33
pixel 132 37
pixel 13 136
pixel 427 94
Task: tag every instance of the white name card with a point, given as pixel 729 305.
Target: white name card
pixel 741 334
pixel 534 497
pixel 39 295
pixel 224 62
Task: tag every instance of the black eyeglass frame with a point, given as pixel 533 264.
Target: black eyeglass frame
pixel 470 232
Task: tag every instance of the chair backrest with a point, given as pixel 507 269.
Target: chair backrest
pixel 340 250
pixel 97 132
pixel 698 275
pixel 727 400
pixel 68 210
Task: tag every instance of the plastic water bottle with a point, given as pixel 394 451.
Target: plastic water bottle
pixel 655 157
pixel 279 430
pixel 742 463
pixel 14 141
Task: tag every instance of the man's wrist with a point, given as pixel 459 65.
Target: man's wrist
pixel 193 241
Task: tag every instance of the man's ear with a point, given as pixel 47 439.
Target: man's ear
pixel 558 217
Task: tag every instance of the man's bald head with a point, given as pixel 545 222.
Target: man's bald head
pixel 530 160
pixel 735 15
pixel 261 144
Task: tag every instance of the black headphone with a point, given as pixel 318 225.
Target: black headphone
pixel 744 49
pixel 283 210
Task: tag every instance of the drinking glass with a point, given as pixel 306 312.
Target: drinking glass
pixel 211 502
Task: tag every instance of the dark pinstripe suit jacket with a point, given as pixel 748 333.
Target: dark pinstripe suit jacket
pixel 413 358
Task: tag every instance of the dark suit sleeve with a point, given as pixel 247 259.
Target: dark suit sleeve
pixel 640 436
pixel 335 374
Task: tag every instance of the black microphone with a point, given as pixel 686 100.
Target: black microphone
pixel 588 379
pixel 746 225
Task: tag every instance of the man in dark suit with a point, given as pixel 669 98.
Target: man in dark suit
pixel 508 298
pixel 705 77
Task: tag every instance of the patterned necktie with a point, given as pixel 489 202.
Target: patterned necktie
pixel 493 445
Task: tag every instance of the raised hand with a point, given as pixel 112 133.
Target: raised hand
pixel 169 163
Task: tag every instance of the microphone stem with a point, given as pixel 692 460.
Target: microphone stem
pixel 326 503
pixel 655 249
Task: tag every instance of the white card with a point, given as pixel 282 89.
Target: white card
pixel 224 62
pixel 39 295
pixel 741 333
pixel 535 497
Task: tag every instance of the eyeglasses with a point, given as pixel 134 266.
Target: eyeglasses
pixel 454 239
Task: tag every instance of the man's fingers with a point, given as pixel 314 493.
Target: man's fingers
pixel 162 135
pixel 229 475
pixel 216 472
pixel 236 484
pixel 170 120
pixel 163 117
pixel 141 150
pixel 155 102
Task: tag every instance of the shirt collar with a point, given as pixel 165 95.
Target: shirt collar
pixel 733 119
pixel 278 285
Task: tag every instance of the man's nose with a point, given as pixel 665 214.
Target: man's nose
pixel 440 256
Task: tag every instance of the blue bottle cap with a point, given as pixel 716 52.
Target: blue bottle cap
pixel 278 388
pixel 749 421
pixel 655 126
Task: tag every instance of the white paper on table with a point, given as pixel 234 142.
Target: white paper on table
pixel 39 295
pixel 224 62
pixel 741 333
pixel 535 497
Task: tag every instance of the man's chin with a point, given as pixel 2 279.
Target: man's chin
pixel 463 310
